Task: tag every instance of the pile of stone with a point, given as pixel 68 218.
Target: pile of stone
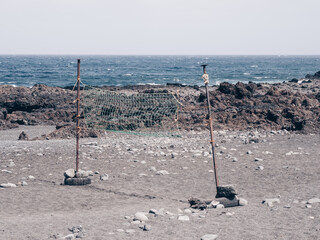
pixel 80 177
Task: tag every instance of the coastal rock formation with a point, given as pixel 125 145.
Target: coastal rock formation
pixel 291 106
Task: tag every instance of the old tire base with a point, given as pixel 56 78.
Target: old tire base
pixel 77 181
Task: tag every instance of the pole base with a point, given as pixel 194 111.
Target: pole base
pixel 77 181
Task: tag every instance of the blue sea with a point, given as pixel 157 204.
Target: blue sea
pixel 154 70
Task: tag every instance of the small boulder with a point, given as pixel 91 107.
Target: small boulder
pixel 70 173
pixel 8 185
pixel 141 216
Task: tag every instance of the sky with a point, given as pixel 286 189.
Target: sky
pixel 160 27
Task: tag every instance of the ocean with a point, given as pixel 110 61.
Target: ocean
pixel 20 70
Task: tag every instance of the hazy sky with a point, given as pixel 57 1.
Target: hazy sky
pixel 162 27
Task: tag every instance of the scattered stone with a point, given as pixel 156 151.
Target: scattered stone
pixel 8 185
pixel 313 200
pixel 271 201
pixel 249 152
pixel 120 230
pixel 30 177
pixel 130 231
pixel 153 169
pixel 258 160
pixel 136 222
pixel 68 237
pixel 183 218
pixel 104 177
pixel 24 183
pixel 287 206
pixel 153 211
pixel 214 203
pixel 229 213
pixel 198 204
pixel 308 206
pixel 209 237
pixel 162 172
pixel 260 168
pixel 187 211
pixel 70 173
pixel 6 171
pixel 23 136
pixel 141 216
pixel 11 164
pixel 145 227
pixel 81 174
pixel 220 206
pixel 243 202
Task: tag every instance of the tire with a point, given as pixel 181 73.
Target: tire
pixel 77 181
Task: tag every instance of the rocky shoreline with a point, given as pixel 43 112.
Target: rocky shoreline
pixel 291 106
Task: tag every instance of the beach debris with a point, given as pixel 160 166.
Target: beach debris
pixel 23 136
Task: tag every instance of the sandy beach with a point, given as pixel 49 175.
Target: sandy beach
pixel 157 176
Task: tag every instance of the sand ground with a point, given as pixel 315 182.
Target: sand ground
pixel 45 209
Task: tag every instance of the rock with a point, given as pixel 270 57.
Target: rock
pixel 6 171
pixel 68 237
pixel 141 216
pixel 153 211
pixel 260 168
pixel 243 202
pixel 11 164
pixel 287 206
pixel 23 136
pixel 214 203
pixel 220 206
pixel 130 231
pixel 82 174
pixel 313 200
pixel 187 211
pixel 30 177
pixel 70 173
pixel 24 183
pixel 227 191
pixel 183 218
pixel 145 227
pixel 209 237
pixel 153 169
pixel 258 160
pixel 104 177
pixel 120 230
pixel 162 172
pixel 270 201
pixel 8 185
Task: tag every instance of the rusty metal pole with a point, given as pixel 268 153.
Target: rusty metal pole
pixel 78 118
pixel 206 82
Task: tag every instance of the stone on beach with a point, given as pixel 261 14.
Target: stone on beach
pixel 8 185
pixel 270 201
pixel 313 200
pixel 162 172
pixel 70 173
pixel 183 218
pixel 209 237
pixel 141 216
